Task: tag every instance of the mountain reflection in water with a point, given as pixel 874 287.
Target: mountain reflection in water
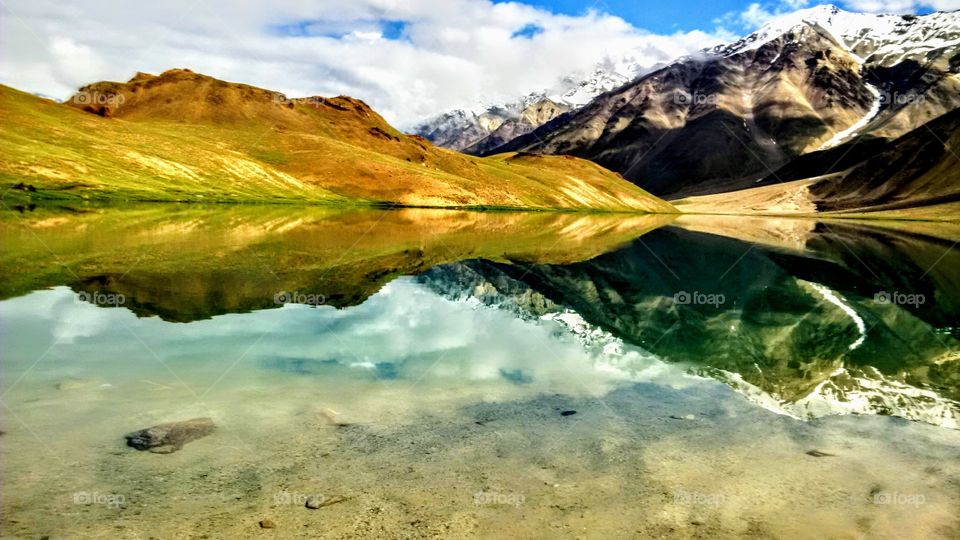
pixel 806 318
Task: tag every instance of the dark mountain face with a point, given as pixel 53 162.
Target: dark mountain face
pixel 715 124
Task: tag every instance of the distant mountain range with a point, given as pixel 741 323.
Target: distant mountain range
pixel 488 125
pixel 730 118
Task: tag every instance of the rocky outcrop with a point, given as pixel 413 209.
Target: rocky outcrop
pixel 169 437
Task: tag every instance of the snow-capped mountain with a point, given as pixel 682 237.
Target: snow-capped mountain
pixel 727 119
pixel 467 129
pixel 877 40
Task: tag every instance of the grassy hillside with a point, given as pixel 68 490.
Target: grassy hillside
pixel 181 136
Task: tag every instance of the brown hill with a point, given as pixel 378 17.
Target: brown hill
pixel 186 136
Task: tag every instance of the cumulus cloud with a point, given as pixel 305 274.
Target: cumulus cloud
pixel 757 14
pixel 408 59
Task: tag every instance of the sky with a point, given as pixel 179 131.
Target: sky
pixel 409 59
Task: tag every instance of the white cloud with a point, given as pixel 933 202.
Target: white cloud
pixel 757 14
pixel 450 53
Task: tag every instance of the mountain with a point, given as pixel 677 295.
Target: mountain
pixel 529 119
pixel 915 175
pixel 487 126
pixel 183 136
pixel 725 119
pixel 920 168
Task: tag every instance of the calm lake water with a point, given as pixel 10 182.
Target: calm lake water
pixel 451 374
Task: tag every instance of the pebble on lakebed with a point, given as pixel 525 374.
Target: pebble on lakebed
pixel 171 436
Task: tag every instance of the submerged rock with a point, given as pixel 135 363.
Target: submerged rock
pixel 170 437
pixel 72 384
pixel 315 502
pixel 267 524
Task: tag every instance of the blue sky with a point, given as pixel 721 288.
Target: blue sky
pixel 665 17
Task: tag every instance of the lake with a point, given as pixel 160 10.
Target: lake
pixel 435 373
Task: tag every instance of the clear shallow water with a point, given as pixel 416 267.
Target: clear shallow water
pixel 429 390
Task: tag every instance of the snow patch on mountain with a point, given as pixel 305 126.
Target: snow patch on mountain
pixel 876 39
pixel 830 296
pixel 842 136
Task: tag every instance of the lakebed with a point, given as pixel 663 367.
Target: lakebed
pixel 433 374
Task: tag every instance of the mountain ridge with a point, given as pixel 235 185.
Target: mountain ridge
pixel 474 130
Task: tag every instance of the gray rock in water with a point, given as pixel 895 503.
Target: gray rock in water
pixel 170 437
